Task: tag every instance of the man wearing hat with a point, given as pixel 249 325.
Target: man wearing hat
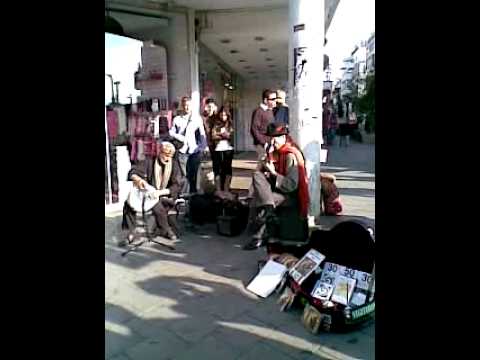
pixel 163 175
pixel 282 180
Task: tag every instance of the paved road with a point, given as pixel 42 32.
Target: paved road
pixel 191 303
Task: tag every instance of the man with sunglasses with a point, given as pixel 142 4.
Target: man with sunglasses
pixel 261 117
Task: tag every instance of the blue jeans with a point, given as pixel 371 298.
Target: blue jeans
pixel 193 163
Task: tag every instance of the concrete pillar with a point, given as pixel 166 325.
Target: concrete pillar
pixel 193 51
pixel 306 37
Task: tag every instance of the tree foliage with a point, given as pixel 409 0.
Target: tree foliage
pixel 366 104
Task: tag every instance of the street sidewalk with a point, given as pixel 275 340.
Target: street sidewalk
pixel 191 303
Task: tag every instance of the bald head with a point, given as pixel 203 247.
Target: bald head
pixel 281 96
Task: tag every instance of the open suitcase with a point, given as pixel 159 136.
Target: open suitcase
pixel 349 243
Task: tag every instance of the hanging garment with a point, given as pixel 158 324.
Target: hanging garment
pixel 113 173
pixel 122 119
pixel 140 150
pixel 112 124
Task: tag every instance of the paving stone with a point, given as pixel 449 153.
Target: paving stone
pixel 355 345
pixel 211 348
pixel 194 328
pixel 226 306
pixel 118 343
pixel 161 344
pixel 116 314
pixel 119 357
pixel 152 328
pixel 264 352
pixel 238 333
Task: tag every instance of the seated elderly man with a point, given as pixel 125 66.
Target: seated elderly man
pixel 282 180
pixel 160 179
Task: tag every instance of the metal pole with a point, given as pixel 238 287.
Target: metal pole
pixel 113 92
pixel 117 84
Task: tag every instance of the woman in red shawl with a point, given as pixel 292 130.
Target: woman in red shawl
pixel 283 180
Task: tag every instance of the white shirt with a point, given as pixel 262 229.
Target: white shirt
pixel 223 145
pixel 184 128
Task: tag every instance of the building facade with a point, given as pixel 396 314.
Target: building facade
pixel 371 54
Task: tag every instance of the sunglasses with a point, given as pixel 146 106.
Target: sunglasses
pixel 272 99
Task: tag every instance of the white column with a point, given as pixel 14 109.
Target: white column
pixel 306 37
pixel 193 54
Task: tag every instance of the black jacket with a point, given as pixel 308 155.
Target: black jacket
pixel 281 114
pixel 144 169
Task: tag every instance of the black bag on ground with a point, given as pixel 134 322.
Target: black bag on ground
pixel 202 209
pixel 232 219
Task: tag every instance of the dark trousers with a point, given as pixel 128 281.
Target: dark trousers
pixel 159 211
pixel 222 164
pixel 193 163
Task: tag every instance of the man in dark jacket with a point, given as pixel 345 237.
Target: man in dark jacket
pixel 163 174
pixel 281 111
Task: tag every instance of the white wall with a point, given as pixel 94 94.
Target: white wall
pixel 174 38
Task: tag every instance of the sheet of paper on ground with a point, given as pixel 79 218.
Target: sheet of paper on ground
pixel 267 279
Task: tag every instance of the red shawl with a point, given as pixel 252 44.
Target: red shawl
pixel 281 168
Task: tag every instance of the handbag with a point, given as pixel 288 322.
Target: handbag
pixel 177 143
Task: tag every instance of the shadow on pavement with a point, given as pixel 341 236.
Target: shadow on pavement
pixel 208 319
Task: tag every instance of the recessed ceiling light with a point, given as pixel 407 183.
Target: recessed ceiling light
pixel 268 59
pixel 263 49
pixel 259 38
pixel 233 51
pixel 242 60
pixel 225 41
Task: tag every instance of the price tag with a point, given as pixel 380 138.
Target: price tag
pixel 363 280
pixel 349 273
pixel 330 272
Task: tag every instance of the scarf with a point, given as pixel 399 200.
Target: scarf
pixel 281 168
pixel 162 177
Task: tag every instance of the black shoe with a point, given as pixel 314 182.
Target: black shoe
pixel 252 245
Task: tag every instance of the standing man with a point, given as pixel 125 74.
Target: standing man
pixel 188 129
pixel 261 117
pixel 281 111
